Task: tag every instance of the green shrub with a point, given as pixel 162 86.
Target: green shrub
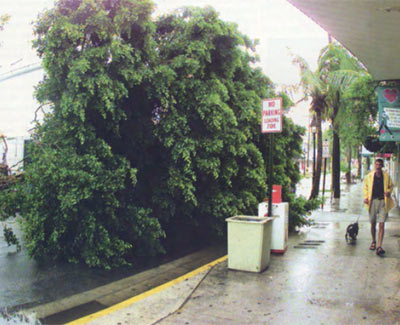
pixel 299 211
pixel 153 132
pixel 11 238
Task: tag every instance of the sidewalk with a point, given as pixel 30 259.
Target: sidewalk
pixel 328 283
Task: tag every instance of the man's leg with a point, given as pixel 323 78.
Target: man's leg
pixel 372 220
pixel 373 231
pixel 381 221
pixel 381 233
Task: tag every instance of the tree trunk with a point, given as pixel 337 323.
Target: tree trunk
pixel 317 176
pixel 348 173
pixel 336 165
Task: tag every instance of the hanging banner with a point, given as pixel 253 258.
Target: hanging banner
pixel 389 113
pixel 271 115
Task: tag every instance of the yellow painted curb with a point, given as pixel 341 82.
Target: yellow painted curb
pixel 143 295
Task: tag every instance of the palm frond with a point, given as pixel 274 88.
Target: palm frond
pixel 309 80
pixel 341 80
pixel 335 57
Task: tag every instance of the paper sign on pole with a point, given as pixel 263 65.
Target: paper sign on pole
pixel 271 115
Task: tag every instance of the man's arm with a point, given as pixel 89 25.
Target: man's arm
pixel 365 189
pixel 390 186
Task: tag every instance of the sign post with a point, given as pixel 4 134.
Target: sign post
pixel 271 122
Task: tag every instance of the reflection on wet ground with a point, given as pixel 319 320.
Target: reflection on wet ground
pixel 350 196
pixel 319 280
pixel 24 283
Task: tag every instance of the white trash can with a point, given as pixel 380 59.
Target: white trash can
pixel 249 243
pixel 280 226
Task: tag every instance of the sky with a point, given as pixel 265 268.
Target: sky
pixel 279 26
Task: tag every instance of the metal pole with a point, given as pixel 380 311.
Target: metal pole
pixel 323 184
pixel 270 176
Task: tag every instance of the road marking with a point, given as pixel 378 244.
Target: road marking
pixel 148 293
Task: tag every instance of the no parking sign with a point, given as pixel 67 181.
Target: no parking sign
pixel 271 115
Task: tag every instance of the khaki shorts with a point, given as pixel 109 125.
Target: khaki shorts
pixel 377 211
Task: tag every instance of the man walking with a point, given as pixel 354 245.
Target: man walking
pixel 378 187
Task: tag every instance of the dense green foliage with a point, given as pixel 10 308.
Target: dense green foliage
pixel 209 122
pixel 153 137
pixel 358 115
pixel 300 210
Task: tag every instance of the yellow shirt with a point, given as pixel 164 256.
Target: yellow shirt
pixel 387 187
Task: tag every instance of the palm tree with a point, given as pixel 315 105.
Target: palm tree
pixel 313 87
pixel 338 70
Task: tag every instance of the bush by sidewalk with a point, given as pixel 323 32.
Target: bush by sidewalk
pixel 299 210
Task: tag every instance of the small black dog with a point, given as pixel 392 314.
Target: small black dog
pixel 351 233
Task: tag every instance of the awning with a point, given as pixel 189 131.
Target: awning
pixel 370 29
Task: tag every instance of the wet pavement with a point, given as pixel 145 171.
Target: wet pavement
pixel 350 196
pixel 331 284
pixel 319 280
pixel 24 283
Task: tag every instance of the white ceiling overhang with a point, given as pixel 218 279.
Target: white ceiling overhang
pixel 370 29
